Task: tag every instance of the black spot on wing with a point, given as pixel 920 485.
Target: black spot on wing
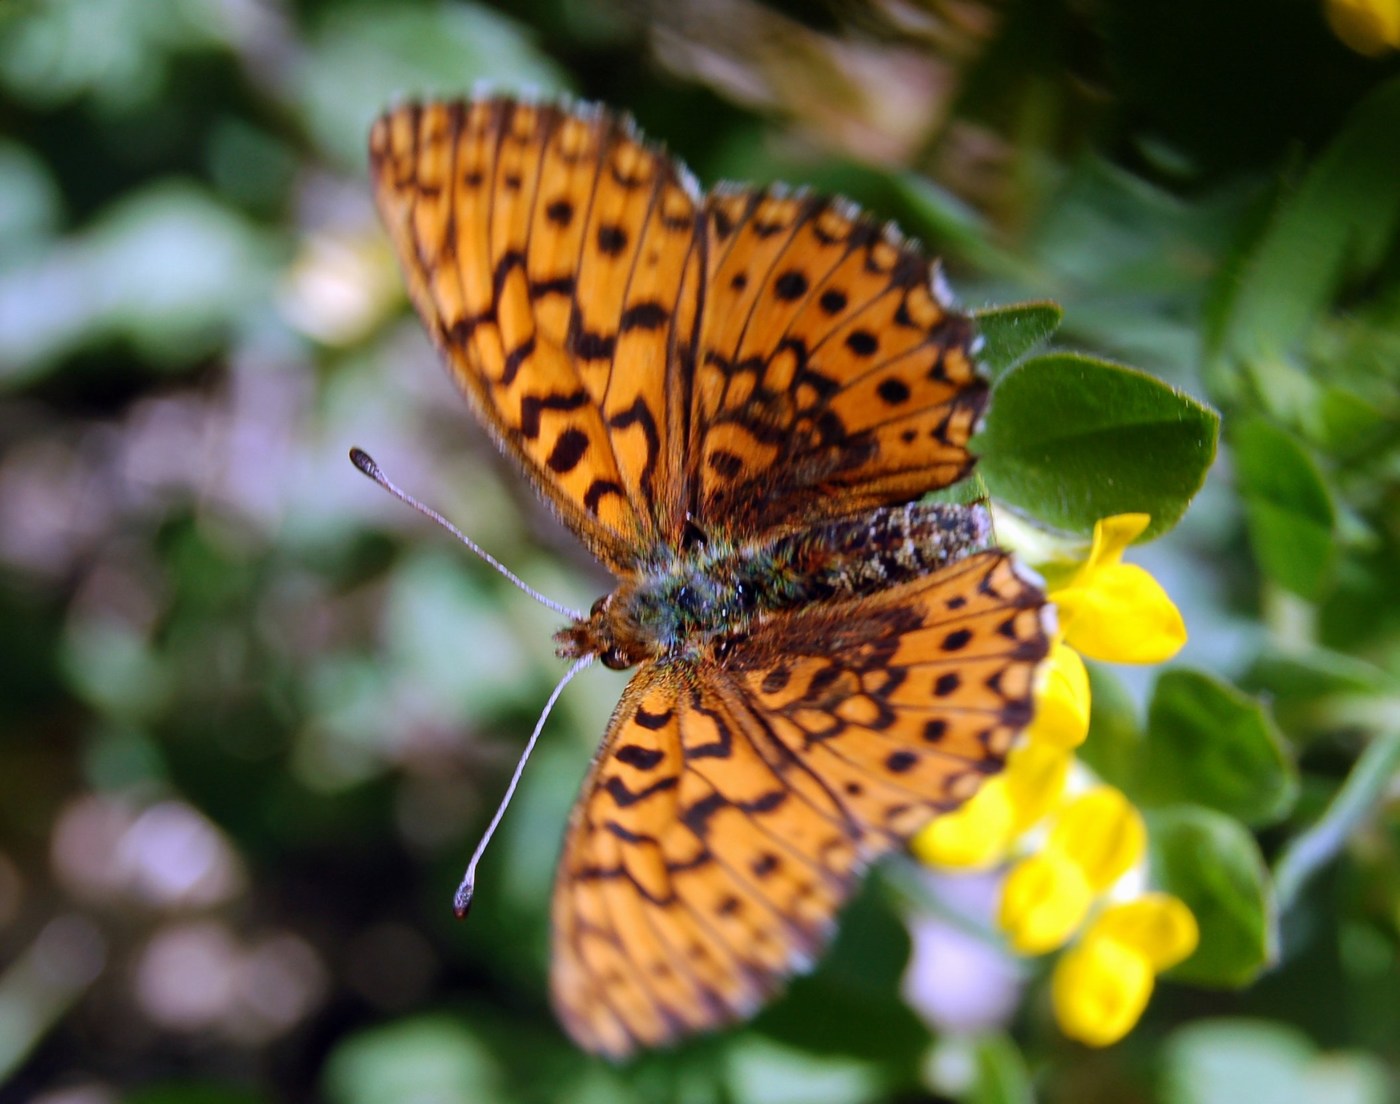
pixel 531 406
pixel 612 239
pixel 642 758
pixel 599 489
pixel 946 684
pixel 862 342
pixel 790 285
pixel 560 212
pixel 643 316
pixel 568 451
pixel 653 721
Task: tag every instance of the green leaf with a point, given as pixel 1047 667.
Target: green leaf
pixel 428 1058
pixel 362 57
pixel 1010 332
pixel 1303 674
pixel 1288 511
pixel 1340 221
pixel 1002 1076
pixel 1365 786
pixel 30 204
pixel 1209 744
pixel 432 599
pixel 1213 864
pixel 938 215
pixel 114 670
pixel 764 1072
pixel 1313 691
pixel 169 268
pixel 1225 1061
pixel 1073 439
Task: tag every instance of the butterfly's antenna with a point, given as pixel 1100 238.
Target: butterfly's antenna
pixel 462 900
pixel 365 462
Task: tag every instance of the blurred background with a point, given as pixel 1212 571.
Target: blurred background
pixel 254 714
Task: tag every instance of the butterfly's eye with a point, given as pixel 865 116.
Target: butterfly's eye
pixel 599 605
pixel 616 659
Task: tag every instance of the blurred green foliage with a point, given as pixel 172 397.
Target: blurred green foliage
pixel 253 714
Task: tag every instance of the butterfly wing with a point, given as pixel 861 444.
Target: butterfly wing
pixel 553 258
pixel 903 702
pixel 735 802
pixel 757 363
pixel 667 918
pixel 760 362
pixel 832 376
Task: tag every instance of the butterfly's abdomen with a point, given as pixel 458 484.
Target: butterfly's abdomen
pixel 862 555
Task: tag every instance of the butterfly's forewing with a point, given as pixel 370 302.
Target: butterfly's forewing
pixel 832 377
pixel 734 803
pixel 552 256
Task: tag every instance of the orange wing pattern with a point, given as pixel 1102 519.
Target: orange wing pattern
pixel 748 365
pixel 758 364
pixel 832 376
pixel 735 802
pixel 902 703
pixel 553 257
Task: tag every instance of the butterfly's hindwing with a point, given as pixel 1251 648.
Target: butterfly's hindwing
pixel 903 702
pixel 695 875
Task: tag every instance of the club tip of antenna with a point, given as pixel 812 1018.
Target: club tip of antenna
pixel 365 462
pixel 462 901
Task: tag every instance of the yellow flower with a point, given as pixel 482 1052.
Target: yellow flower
pixel 979 835
pixel 1062 700
pixel 1036 775
pixel 1103 833
pixel 1073 855
pixel 1093 842
pixel 1107 610
pixel 1114 611
pixel 1101 986
pixel 1157 925
pixel 973 837
pixel 1099 990
pixel 1045 898
pixel 1369 27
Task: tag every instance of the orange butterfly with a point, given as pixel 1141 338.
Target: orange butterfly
pixel 735 401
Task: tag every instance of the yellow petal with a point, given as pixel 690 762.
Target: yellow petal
pixel 1120 614
pixel 1034 779
pixel 1102 833
pixel 1062 701
pixel 1114 611
pixel 1112 536
pixel 1099 990
pixel 1369 27
pixel 974 837
pixel 1157 925
pixel 1043 901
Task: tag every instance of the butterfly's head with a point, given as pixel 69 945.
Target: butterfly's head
pixel 607 633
